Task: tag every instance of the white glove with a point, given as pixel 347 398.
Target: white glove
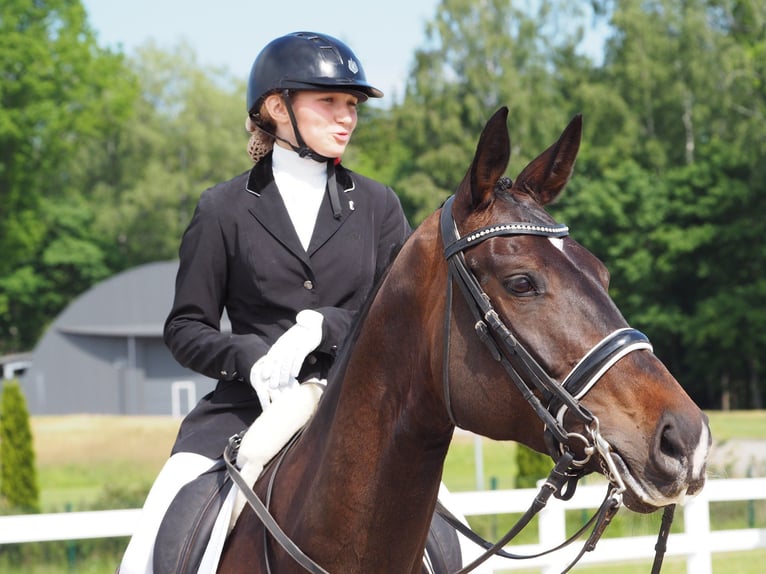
pixel 277 370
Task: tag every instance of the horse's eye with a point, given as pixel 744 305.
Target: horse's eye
pixel 520 285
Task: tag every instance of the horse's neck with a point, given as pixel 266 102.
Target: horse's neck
pixel 385 420
pixel 381 434
pixel 377 479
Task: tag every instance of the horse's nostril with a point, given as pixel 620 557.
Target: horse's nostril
pixel 670 443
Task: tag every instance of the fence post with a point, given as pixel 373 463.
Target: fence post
pixel 697 527
pixel 552 532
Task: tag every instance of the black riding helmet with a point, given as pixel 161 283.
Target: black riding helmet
pixel 306 61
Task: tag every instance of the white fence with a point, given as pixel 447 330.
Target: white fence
pixel 697 543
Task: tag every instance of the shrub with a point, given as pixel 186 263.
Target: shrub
pixel 532 467
pixel 18 475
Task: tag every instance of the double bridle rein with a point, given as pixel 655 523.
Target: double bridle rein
pixel 530 377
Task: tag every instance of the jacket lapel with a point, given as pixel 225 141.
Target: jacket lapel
pixel 326 225
pixel 269 209
pixel 271 213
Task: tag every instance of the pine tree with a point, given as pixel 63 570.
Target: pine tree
pixel 18 475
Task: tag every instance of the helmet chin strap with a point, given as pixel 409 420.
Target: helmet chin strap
pixel 301 149
pixel 305 151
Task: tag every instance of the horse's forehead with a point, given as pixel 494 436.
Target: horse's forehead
pixel 508 208
pixel 515 207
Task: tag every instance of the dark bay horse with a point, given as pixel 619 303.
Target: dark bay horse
pixel 357 489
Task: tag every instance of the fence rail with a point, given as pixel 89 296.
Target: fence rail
pixel 697 543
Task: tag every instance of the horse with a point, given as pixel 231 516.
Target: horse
pixel 357 488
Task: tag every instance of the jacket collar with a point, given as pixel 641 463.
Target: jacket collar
pixel 261 176
pixel 270 211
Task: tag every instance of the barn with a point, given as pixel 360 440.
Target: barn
pixel 104 354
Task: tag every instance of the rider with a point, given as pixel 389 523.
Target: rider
pixel 290 250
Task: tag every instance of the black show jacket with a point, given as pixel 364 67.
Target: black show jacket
pixel 241 252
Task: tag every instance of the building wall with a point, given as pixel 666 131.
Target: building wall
pixel 104 354
pixel 106 375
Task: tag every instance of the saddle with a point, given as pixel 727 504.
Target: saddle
pixel 186 529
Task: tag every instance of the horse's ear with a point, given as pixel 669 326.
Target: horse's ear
pixel 489 163
pixel 547 175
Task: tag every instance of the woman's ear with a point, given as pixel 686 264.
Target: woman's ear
pixel 275 108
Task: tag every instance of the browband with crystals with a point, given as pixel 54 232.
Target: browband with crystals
pixel 515 228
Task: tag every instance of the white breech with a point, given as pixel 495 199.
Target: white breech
pixel 264 439
pixel 179 470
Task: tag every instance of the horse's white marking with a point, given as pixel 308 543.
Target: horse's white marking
pixel 558 242
pixel 700 453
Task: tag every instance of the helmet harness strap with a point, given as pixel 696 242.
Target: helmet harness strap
pixel 305 151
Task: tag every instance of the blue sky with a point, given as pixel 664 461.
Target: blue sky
pixel 384 34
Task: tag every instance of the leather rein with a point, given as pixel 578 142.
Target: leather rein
pixel 528 376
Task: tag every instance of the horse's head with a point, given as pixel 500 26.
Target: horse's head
pixel 552 296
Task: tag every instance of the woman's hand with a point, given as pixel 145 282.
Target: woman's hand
pixel 278 369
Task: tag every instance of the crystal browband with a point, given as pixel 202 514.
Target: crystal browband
pixel 516 228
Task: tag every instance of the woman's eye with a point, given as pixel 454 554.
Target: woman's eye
pixel 520 285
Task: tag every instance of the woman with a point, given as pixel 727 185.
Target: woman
pixel 290 249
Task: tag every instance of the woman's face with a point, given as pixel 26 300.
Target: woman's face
pixel 325 120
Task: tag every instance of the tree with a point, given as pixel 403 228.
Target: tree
pixel 59 93
pixel 18 476
pixel 478 56
pixel 669 200
pixel 188 134
pixel 128 147
pixel 532 466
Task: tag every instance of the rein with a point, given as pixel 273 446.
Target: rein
pixel 262 512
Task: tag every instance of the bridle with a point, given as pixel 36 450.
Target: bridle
pixel 529 376
pixel 526 373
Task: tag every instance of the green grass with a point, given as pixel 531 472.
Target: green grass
pixel 727 425
pixel 87 462
pixel 78 457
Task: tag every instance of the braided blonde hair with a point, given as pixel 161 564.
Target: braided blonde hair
pixel 261 141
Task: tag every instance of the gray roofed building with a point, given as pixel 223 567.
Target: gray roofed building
pixel 105 354
pixel 14 365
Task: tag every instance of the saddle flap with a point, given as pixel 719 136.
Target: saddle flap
pixel 185 530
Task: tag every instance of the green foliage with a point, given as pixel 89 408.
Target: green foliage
pixel 18 476
pixel 188 135
pixel 59 97
pixel 532 466
pixel 102 158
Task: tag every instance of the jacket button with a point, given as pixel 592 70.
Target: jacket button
pixel 311 360
pixel 308 285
